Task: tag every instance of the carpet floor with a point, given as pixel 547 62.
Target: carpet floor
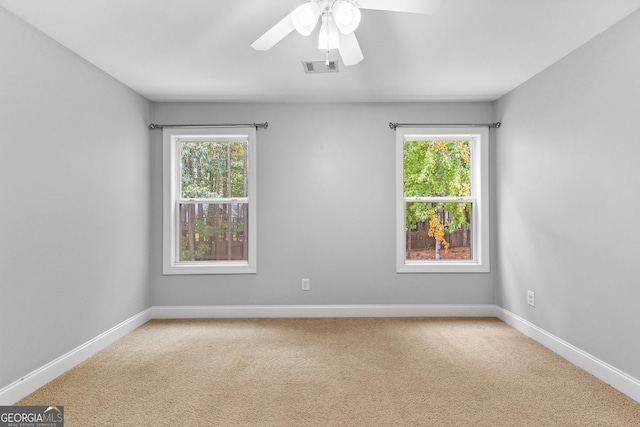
pixel 332 372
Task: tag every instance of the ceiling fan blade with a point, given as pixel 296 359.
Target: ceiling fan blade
pixel 274 34
pixel 411 6
pixel 350 49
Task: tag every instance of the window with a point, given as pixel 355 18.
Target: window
pixel 442 200
pixel 209 201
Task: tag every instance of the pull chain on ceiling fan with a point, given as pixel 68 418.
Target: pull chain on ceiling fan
pixel 339 20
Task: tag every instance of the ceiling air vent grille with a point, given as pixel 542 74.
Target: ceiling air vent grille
pixel 316 67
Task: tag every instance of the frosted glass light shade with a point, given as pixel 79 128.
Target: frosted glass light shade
pixel 346 15
pixel 305 17
pixel 328 37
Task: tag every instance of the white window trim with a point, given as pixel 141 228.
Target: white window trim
pixel 171 196
pixel 480 198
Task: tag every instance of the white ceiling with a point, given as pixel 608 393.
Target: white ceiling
pixel 170 50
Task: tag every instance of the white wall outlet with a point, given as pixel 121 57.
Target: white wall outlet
pixel 305 284
pixel 531 298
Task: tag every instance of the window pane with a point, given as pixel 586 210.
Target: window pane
pixel 214 232
pixel 437 168
pixel 438 231
pixel 213 169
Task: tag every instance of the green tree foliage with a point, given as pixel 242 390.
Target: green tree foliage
pixel 207 169
pixel 437 169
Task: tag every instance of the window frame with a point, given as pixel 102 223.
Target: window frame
pixel 172 137
pixel 479 138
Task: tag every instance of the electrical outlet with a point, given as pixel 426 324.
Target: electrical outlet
pixel 305 284
pixel 531 298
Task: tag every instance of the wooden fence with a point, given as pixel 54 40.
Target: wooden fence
pixel 417 240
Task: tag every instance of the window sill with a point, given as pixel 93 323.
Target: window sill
pixel 443 267
pixel 220 267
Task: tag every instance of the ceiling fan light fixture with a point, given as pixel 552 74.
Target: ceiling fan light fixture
pixel 328 38
pixel 346 16
pixel 305 17
pixel 339 19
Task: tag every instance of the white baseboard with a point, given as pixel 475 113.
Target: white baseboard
pixel 26 385
pixel 596 367
pixel 38 378
pixel 41 376
pixel 274 311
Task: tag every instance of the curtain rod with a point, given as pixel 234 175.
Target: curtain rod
pixel 393 126
pixel 254 125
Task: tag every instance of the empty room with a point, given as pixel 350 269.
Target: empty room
pixel 344 212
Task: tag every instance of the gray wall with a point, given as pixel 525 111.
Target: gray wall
pixel 80 228
pixel 568 198
pixel 326 208
pixel 74 188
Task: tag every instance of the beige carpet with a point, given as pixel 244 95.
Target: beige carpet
pixel 332 372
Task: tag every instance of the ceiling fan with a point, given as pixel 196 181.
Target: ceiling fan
pixel 339 19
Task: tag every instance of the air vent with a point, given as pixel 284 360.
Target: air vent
pixel 316 67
